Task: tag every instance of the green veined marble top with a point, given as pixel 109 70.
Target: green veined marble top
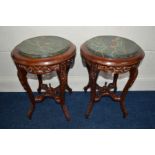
pixel 43 46
pixel 112 47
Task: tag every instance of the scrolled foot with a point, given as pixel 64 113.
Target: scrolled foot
pixel 87 115
pixel 66 112
pixel 30 112
pixel 123 109
pixel 39 98
pixel 125 114
pixel 89 109
pixel 29 115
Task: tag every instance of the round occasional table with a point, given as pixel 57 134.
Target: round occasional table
pixel 43 55
pixel 112 54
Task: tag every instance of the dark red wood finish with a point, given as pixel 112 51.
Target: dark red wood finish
pixel 96 64
pixel 39 66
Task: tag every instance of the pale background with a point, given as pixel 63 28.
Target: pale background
pixel 11 36
pixel 78 12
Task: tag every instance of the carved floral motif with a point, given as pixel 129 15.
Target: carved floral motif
pixel 42 69
pixel 99 92
pixel 38 69
pixel 113 69
pixel 116 69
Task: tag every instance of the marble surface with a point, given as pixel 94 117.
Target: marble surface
pixel 112 47
pixel 43 46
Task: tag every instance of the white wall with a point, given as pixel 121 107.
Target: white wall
pixel 11 36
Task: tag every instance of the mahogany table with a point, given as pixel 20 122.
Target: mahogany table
pixel 43 55
pixel 112 54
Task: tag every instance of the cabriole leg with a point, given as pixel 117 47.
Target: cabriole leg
pixel 115 81
pixel 22 75
pixel 93 74
pixel 132 77
pixel 67 86
pixel 89 82
pixel 62 75
pixel 40 83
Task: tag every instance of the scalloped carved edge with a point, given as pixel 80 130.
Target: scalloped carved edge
pixel 42 69
pixel 113 69
pixel 38 69
pixel 117 69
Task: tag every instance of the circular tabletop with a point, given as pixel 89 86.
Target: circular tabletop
pixel 111 49
pixel 43 50
pixel 43 46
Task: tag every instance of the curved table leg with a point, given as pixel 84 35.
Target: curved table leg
pixel 40 83
pixel 93 78
pixel 67 86
pixel 22 75
pixel 115 82
pixel 62 75
pixel 89 82
pixel 132 78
